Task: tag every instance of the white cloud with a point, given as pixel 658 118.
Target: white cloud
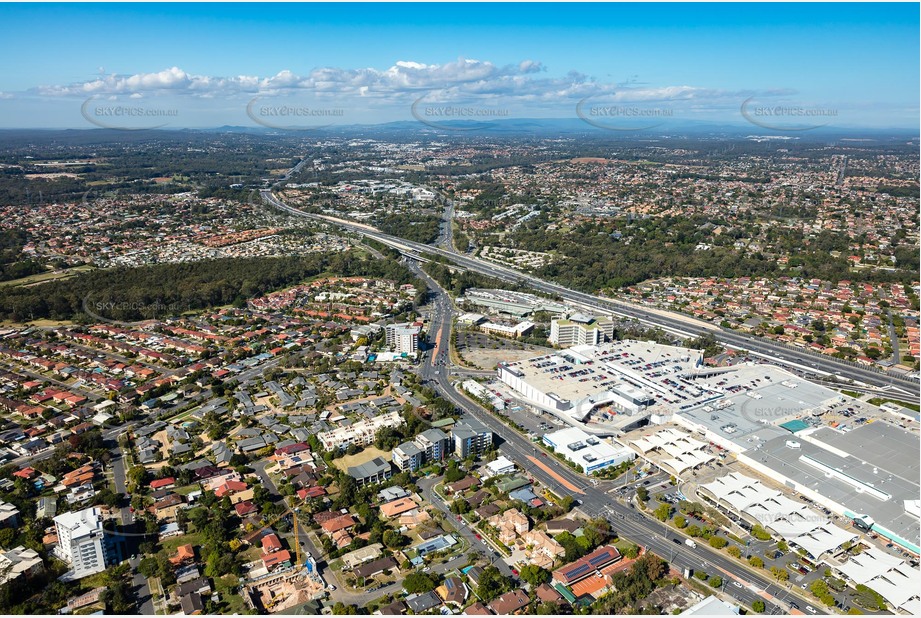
pixel 464 79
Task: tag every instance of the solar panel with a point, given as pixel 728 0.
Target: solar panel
pixel 596 560
pixel 577 571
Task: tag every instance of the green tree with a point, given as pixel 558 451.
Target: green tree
pixel 734 551
pixel 148 567
pixel 715 581
pixel 419 582
pixel 628 549
pixel 758 606
pixel 453 473
pixel 535 575
pixel 6 537
pixel 756 562
pixel 492 584
pixel 117 594
pixel 718 542
pixel 341 609
pixel 137 477
pixel 780 574
pixel 597 531
pixel 760 533
pixel 680 521
pixel 394 540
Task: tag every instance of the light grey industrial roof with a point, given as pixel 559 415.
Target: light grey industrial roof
pixel 882 445
pixel 891 514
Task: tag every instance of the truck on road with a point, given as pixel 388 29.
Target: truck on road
pixel 690 543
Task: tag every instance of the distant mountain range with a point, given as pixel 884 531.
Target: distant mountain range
pixel 547 127
pixel 533 127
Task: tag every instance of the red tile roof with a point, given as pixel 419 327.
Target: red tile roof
pixel 276 558
pixel 245 508
pixel 270 543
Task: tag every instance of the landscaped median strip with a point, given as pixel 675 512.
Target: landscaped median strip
pixel 555 475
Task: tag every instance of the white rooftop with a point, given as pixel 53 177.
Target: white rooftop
pixel 795 522
pixel 80 522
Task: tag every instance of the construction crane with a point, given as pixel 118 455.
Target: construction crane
pixel 293 511
pixel 297 540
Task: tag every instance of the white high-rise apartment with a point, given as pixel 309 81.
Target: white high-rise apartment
pixel 81 541
pixel 403 338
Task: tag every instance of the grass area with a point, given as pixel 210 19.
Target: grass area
pixel 225 587
pixel 369 453
pixel 181 415
pixel 185 491
pixel 93 581
pixel 171 544
pixel 45 277
pixel 251 553
pixel 878 401
pixel 851 394
pixel 38 323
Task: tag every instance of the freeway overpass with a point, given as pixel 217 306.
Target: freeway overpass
pixel 675 323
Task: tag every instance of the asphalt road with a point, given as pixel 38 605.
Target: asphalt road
pixel 426 486
pixel 671 321
pixel 626 521
pixel 145 604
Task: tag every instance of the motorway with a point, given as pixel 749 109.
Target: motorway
pixel 742 583
pixel 669 321
pixel 595 501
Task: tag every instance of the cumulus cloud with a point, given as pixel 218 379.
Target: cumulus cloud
pixel 527 81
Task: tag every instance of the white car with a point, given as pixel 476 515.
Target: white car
pixel 810 609
pixel 736 584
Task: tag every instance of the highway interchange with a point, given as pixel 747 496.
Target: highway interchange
pixel 892 383
pixel 742 583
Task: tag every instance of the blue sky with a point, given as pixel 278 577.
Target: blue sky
pixel 855 65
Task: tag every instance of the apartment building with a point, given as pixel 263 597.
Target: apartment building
pixel 403 338
pixel 81 541
pixel 430 445
pixel 360 433
pixel 470 437
pixel 408 456
pixel 580 329
pixel 375 471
